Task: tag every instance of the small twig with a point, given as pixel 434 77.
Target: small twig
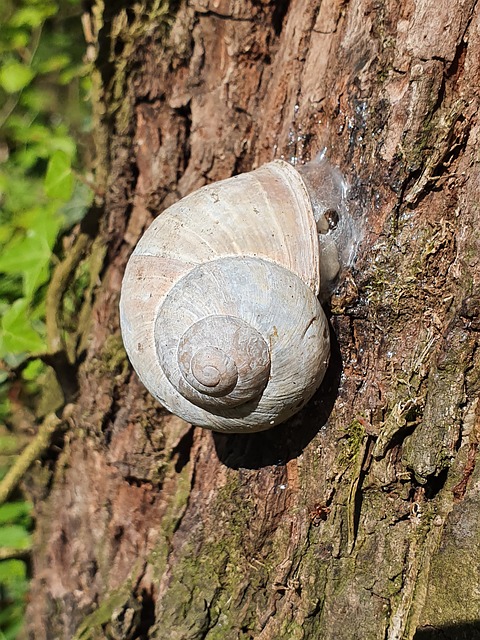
pixel 36 36
pixel 32 451
pixel 57 287
pixel 8 109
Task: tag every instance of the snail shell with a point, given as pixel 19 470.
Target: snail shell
pixel 219 310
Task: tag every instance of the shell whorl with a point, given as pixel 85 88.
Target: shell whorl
pixel 218 310
pixel 240 342
pixel 223 361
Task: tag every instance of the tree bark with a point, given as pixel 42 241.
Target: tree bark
pixel 360 517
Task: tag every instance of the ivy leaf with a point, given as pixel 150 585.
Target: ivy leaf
pixel 14 537
pixel 14 511
pixel 13 575
pixel 29 253
pixel 59 178
pixel 16 333
pixel 12 570
pixel 15 76
pixel 76 208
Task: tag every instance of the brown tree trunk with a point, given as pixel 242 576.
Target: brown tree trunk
pixel 360 517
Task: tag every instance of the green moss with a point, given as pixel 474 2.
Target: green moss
pixel 126 33
pixel 291 630
pixel 72 297
pixel 211 581
pixel 194 582
pixel 93 267
pixel 91 627
pixel 240 510
pixel 114 358
pixel 110 367
pixel 351 443
pixel 176 508
pixel 430 449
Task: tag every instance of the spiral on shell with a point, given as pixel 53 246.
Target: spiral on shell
pixel 219 308
pixel 224 360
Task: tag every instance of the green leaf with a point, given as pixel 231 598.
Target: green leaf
pixel 59 178
pixel 12 512
pixel 12 570
pixel 14 76
pixel 15 537
pixel 39 99
pixel 55 63
pixel 5 410
pixel 16 333
pixel 71 73
pixel 17 193
pixel 76 208
pixel 13 578
pixel 28 254
pixel 5 233
pixel 17 39
pixel 33 279
pixel 33 370
pixel 12 360
pixel 32 16
pixel 14 628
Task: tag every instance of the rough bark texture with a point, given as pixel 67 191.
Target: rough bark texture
pixel 360 518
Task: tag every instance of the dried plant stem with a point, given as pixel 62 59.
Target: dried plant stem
pixel 32 451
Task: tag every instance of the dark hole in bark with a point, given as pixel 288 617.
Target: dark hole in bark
pixel 147 615
pixel 279 14
pixel 182 450
pixel 435 484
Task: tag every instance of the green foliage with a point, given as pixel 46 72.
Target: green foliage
pixel 18 512
pixel 59 178
pixel 17 335
pixel 40 56
pixel 15 76
pixel 14 525
pixel 13 590
pixel 43 122
pixel 14 536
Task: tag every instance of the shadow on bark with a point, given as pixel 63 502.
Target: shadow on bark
pixel 287 441
pixel 466 631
